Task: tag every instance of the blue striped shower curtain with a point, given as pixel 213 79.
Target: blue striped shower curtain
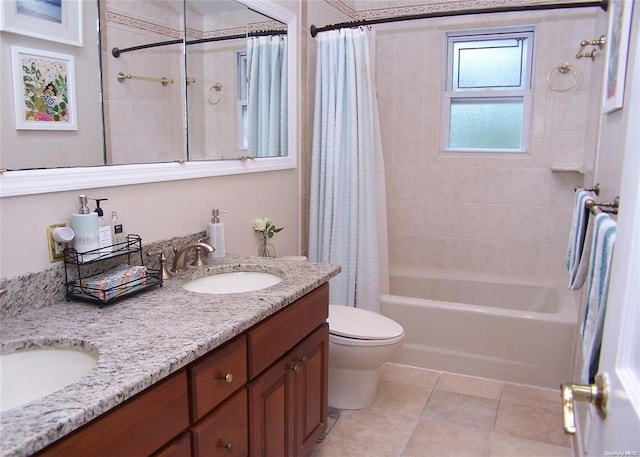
pixel 347 199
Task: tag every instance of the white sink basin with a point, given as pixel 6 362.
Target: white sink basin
pixel 231 283
pixel 31 374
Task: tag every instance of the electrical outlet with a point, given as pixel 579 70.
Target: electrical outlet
pixel 55 249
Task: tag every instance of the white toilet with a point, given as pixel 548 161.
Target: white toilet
pixel 360 342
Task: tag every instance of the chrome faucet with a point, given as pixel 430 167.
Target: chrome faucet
pixel 180 258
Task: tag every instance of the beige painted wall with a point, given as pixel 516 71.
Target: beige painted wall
pixel 154 211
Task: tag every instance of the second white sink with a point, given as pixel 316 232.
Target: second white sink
pixel 32 374
pixel 232 283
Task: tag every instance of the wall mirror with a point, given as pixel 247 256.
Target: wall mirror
pixel 184 110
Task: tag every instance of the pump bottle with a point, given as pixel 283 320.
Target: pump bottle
pixel 104 228
pixel 215 232
pixel 85 227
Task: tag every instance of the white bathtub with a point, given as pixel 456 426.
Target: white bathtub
pixel 521 332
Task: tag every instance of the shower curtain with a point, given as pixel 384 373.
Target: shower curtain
pixel 347 221
pixel 267 101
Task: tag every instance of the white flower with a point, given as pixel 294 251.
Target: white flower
pixel 259 225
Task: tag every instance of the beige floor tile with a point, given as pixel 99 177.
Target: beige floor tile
pixel 409 375
pixel 509 446
pixel 461 409
pixel 531 422
pixel 333 447
pixel 533 396
pixel 374 428
pixel 405 399
pixel 433 439
pixel 478 387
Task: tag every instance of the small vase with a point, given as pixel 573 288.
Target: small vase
pixel 266 249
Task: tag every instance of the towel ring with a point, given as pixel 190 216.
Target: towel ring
pixel 213 97
pixel 562 69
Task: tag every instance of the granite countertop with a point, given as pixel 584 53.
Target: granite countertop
pixel 139 341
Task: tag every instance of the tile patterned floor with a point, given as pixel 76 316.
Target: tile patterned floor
pixel 424 413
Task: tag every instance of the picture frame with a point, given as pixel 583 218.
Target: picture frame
pixel 52 20
pixel 618 30
pixel 43 90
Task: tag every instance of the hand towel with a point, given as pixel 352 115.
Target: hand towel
pixel 604 238
pixel 577 233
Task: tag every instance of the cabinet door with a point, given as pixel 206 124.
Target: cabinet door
pixel 271 411
pixel 311 388
pixel 224 431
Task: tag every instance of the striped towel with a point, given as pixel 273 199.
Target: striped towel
pixel 604 238
pixel 577 235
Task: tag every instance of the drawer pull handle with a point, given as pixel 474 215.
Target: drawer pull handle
pixel 294 368
pixel 303 359
pixel 227 447
pixel 228 378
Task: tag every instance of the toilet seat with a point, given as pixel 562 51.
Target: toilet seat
pixel 360 327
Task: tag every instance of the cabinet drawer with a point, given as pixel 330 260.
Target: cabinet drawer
pixel 217 376
pixel 139 427
pixel 269 340
pixel 225 432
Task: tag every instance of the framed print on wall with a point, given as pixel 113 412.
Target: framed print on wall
pixel 53 20
pixel 618 32
pixel 43 90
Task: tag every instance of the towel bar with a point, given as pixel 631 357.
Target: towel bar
pixel 602 207
pixel 595 189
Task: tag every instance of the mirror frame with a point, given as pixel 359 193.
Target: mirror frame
pixel 28 182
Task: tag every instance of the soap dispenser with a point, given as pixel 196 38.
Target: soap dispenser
pixel 85 227
pixel 104 228
pixel 215 232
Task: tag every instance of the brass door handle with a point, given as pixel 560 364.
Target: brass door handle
pixel 228 378
pixel 596 394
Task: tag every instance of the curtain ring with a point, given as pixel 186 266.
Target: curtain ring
pixel 562 69
pixel 214 98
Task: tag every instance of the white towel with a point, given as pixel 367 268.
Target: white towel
pixel 577 234
pixel 604 238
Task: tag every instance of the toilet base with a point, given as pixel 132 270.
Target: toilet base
pixel 352 389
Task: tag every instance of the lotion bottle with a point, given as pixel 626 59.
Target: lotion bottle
pixel 85 227
pixel 104 229
pixel 215 232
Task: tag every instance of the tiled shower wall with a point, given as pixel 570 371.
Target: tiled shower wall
pixel 506 215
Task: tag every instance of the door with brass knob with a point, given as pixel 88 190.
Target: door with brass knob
pixel 618 432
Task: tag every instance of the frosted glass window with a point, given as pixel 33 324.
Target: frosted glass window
pixel 490 63
pixel 486 124
pixel 487 96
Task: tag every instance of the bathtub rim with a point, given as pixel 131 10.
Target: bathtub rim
pixel 567 309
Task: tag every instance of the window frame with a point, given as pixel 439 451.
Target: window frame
pixel 242 103
pixel 525 93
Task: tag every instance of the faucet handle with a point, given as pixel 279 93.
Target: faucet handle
pixel 166 274
pixel 199 261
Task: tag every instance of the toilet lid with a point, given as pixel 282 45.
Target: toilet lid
pixel 361 324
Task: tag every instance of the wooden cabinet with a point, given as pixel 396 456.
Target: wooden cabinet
pixel 262 394
pixel 138 427
pixel 288 401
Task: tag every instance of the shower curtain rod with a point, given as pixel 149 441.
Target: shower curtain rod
pixel 498 9
pixel 115 52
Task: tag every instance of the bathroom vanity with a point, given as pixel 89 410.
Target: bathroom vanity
pixel 255 385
